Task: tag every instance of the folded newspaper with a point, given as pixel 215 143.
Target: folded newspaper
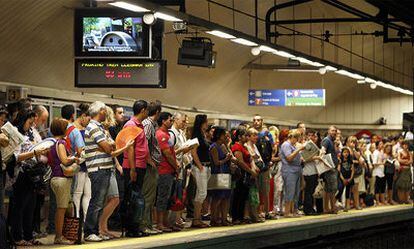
pixel 310 151
pixel 15 140
pixel 191 143
pixel 325 164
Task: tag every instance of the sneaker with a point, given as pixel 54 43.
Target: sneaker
pixel 150 231
pixel 206 217
pixel 93 238
pixel 105 237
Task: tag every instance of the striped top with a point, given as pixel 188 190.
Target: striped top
pixel 94 134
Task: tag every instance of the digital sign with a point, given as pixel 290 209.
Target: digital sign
pixel 114 73
pixel 287 97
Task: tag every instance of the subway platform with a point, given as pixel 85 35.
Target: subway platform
pixel 268 234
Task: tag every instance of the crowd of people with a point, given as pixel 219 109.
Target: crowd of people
pixel 181 174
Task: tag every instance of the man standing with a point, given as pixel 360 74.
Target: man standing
pixel 74 140
pixel 135 163
pixel 167 171
pixel 331 176
pixel 149 189
pixel 115 219
pixel 39 126
pixel 177 139
pixel 100 166
pixel 265 146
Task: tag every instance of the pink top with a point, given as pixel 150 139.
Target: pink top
pixel 141 146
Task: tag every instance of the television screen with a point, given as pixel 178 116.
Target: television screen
pixel 108 32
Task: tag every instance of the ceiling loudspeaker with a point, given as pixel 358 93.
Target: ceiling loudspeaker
pixel 197 51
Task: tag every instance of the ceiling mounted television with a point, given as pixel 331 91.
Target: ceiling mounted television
pixel 102 32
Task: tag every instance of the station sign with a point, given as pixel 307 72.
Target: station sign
pixel 114 73
pixel 287 97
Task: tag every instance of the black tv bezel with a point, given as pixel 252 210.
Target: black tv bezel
pixel 107 12
pixel 162 74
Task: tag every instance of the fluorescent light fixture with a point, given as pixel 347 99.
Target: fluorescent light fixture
pixel 129 6
pixel 220 34
pixel 369 80
pixel 297 70
pixel 267 49
pixel 331 68
pixel 308 62
pixel 166 17
pixel 244 42
pixel 349 74
pixel 361 81
pixel 283 54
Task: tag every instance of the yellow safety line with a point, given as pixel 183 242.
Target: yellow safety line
pixel 195 232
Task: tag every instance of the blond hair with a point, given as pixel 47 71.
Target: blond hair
pixel 109 118
pixel 252 131
pixel 295 133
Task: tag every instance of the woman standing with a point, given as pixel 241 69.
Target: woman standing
pixel 201 168
pixel 258 163
pixel 291 171
pixel 389 170
pixel 60 184
pixel 357 161
pixel 244 162
pixel 23 196
pixel 220 165
pixel 403 182
pixel 82 187
pixel 378 173
pixel 346 171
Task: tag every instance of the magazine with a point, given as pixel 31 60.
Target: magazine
pixel 310 151
pixel 15 140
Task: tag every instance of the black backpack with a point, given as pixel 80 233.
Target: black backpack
pixel 265 148
pixel 6 240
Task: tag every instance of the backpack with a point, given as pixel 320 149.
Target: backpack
pixel 6 240
pixel 67 139
pixel 265 149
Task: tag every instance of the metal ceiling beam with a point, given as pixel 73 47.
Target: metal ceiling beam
pixel 278 7
pixel 327 20
pixel 208 25
pixel 359 13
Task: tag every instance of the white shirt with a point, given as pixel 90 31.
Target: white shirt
pixel 310 168
pixel 378 158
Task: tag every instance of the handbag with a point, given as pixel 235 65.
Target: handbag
pixel 135 204
pixel 220 181
pixel 261 165
pixel 72 227
pixel 319 190
pixel 177 204
pixel 357 170
pixel 70 170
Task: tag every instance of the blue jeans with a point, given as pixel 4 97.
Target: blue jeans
pixel 100 185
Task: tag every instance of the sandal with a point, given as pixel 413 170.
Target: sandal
pixel 62 241
pixel 35 242
pixel 199 225
pixel 23 243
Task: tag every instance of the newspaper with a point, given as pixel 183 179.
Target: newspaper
pixel 310 151
pixel 325 164
pixel 191 143
pixel 15 140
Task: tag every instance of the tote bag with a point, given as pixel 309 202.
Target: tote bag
pixel 72 227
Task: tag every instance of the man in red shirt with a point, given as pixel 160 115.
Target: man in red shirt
pixel 167 171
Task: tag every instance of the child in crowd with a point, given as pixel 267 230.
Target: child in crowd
pixel 346 173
